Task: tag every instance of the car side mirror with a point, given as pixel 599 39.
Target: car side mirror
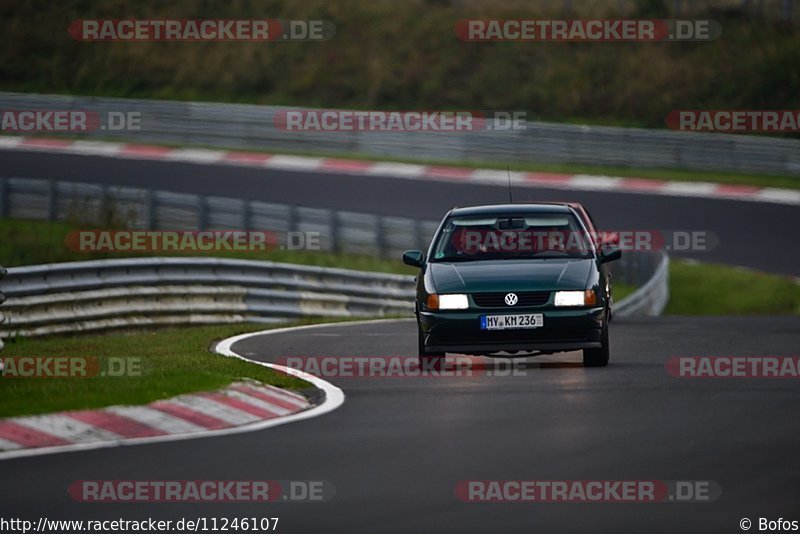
pixel 609 252
pixel 413 258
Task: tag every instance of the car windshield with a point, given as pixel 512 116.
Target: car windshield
pixel 525 236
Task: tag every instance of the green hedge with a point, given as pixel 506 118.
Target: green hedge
pixel 404 55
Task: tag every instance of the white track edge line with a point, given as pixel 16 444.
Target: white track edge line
pixel 16 143
pixel 334 397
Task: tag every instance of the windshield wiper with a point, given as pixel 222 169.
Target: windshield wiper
pixel 454 259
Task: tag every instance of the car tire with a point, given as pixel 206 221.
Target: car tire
pixel 598 357
pixel 428 360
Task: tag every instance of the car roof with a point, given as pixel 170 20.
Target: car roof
pixel 512 209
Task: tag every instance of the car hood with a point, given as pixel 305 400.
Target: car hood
pixel 510 275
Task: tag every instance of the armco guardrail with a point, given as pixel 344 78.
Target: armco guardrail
pixel 107 294
pixel 651 297
pixel 338 231
pixel 2 317
pixel 251 126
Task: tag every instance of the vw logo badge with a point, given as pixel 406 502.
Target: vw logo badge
pixel 511 299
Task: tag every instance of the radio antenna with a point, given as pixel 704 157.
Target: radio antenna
pixel 510 197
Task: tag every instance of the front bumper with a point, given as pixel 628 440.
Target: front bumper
pixel 563 330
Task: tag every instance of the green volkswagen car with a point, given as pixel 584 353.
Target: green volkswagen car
pixel 512 280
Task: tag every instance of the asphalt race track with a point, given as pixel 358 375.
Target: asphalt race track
pixel 750 234
pixel 395 450
pixel 398 446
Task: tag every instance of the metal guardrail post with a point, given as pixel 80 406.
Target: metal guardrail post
pixel 106 208
pixel 335 232
pixel 419 239
pixel 150 209
pixel 383 249
pixel 247 215
pixel 291 223
pixel 202 213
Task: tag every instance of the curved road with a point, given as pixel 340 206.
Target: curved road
pixel 750 234
pixel 397 447
pixel 395 450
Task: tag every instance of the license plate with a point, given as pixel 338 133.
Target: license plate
pixel 509 322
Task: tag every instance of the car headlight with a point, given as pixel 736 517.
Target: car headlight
pixel 447 302
pixel 575 298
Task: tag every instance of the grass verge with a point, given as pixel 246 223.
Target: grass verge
pixel 620 290
pixel 172 361
pixel 28 242
pixel 709 289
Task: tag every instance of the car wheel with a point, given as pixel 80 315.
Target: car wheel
pixel 431 361
pixel 598 357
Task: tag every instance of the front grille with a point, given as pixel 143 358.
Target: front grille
pixel 497 300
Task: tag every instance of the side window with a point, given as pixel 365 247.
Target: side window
pixel 591 224
pixel 594 229
pixel 587 221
